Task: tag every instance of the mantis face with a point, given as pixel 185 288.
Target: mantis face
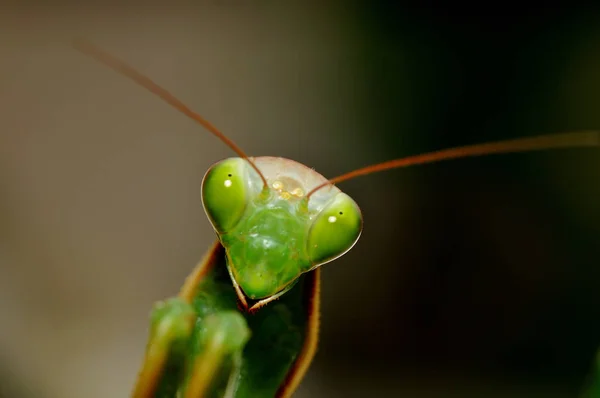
pixel 273 233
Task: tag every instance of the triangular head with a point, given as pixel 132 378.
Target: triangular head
pixel 272 233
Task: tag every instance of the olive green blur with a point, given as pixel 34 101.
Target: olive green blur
pixel 592 384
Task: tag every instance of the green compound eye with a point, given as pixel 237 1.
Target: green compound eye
pixel 335 230
pixel 225 193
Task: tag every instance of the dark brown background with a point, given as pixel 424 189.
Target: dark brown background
pixel 475 277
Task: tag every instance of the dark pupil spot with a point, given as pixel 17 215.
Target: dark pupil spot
pixel 341 212
pixel 228 175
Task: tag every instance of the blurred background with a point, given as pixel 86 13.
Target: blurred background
pixel 476 277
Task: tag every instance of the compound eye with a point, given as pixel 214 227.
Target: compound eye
pixel 225 193
pixel 335 230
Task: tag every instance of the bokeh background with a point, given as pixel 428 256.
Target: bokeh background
pixel 472 278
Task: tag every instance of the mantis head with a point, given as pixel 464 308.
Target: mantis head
pixel 273 232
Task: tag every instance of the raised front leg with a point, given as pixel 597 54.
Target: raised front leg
pixel 215 360
pixel 202 345
pixel 192 350
pixel 170 332
pixel 191 356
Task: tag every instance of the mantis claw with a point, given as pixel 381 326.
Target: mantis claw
pixel 219 348
pixel 206 362
pixel 171 327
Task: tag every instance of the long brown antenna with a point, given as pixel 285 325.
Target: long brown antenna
pixel 128 71
pixel 564 140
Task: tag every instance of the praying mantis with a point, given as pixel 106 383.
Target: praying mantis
pixel 246 321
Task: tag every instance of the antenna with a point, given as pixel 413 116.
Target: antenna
pixel 564 140
pixel 128 71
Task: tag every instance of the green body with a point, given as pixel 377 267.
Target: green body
pixel 254 367
pixel 277 333
pixel 258 353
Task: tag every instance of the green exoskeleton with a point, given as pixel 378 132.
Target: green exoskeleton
pixel 245 323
